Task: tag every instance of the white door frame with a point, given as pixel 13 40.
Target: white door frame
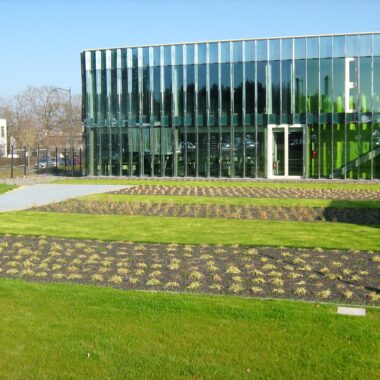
pixel 285 128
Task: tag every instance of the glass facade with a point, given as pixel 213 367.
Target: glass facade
pixel 305 107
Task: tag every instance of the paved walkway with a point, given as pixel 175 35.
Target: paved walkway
pixel 26 197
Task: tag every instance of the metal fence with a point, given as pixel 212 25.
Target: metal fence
pixel 54 161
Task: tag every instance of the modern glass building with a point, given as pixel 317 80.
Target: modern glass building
pixel 292 107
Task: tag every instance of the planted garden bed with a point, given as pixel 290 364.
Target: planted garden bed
pixel 368 216
pixel 255 192
pixel 309 274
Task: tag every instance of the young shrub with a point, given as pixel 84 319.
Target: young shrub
pixel 74 276
pixel 235 288
pixel 41 274
pixel 233 270
pixel 324 294
pixel 216 287
pixel 12 271
pixel 171 285
pixel 300 291
pixel 133 280
pixel 268 267
pixel 194 285
pixel 196 276
pixel 58 276
pixel 277 282
pixel 116 279
pixel 373 296
pixel 123 271
pixel 155 273
pixel 153 282
pixel 348 294
pixel 97 278
pixel 256 289
pixel 278 291
pixel 27 272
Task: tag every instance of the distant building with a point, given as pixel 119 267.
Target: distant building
pixel 3 137
pixel 291 107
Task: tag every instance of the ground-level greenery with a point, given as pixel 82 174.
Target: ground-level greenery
pixel 81 332
pixel 192 230
pixel 4 188
pixel 267 202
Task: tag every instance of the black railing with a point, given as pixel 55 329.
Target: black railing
pixel 53 161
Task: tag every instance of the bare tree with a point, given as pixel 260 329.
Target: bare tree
pixel 41 116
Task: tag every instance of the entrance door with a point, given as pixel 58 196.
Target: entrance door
pixel 285 151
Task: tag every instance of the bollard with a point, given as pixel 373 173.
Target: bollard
pixel 25 163
pixel 12 162
pixel 56 161
pixel 80 162
pixel 65 161
pixel 72 162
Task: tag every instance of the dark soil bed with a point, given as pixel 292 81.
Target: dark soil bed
pixel 254 192
pixel 318 275
pixel 307 214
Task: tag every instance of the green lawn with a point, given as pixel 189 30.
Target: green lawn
pixel 4 188
pixel 286 184
pixel 268 202
pixel 192 230
pixel 51 331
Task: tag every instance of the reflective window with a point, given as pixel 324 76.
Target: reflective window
pixel 237 52
pixel 365 45
pixel 351 46
pixel 274 49
pixel 213 53
pixel 312 47
pixel 201 54
pixel 287 48
pixel 325 47
pixel 338 46
pixel 249 51
pixel 261 50
pixel 300 48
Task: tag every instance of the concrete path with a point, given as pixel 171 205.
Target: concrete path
pixel 26 197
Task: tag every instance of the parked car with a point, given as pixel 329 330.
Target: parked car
pixel 44 163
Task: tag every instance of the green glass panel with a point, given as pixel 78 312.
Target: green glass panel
pixel 312 85
pixel 338 84
pixel 325 153
pixel 300 85
pixel 365 84
pixel 326 85
pixel 286 71
pixel 238 93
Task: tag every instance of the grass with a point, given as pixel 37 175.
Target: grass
pixel 263 183
pixel 82 332
pixel 4 188
pixel 268 202
pixel 192 230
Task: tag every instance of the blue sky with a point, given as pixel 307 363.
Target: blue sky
pixel 41 40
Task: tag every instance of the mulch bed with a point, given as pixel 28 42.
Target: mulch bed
pixel 317 275
pixel 306 214
pixel 253 192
